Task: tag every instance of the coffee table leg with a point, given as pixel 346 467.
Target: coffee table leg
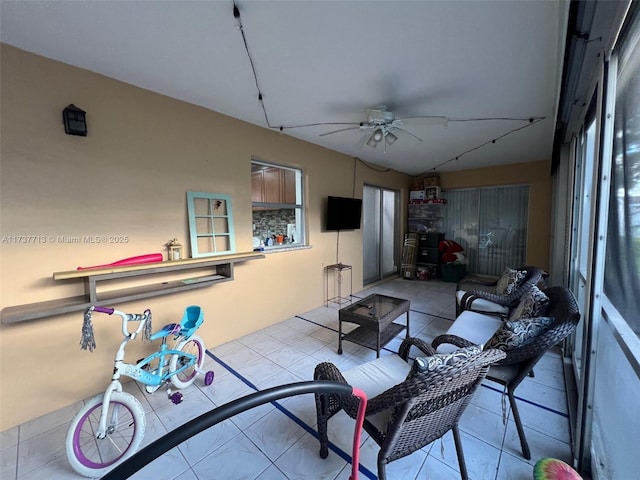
pixel 339 337
pixel 407 335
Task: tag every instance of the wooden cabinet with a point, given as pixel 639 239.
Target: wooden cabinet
pixel 257 186
pixel 289 186
pixel 273 185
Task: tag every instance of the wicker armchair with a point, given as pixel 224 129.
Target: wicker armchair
pixel 481 297
pixel 404 414
pixel 519 362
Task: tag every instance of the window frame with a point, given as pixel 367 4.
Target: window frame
pixel 298 208
pixel 195 234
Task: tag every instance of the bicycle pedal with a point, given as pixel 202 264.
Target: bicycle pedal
pixel 176 398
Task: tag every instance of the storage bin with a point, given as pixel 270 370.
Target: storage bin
pixel 453 272
pixel 417 195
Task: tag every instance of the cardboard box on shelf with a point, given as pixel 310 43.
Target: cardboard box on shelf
pixel 431 181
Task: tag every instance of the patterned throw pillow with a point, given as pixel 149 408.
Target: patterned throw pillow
pixel 509 281
pixel 429 364
pixel 532 304
pixel 518 333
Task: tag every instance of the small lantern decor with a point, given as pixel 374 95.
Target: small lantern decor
pixel 175 250
pixel 75 122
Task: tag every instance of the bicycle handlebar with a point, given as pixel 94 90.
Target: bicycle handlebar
pixel 126 317
pixel 107 310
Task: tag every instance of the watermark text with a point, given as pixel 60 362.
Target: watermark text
pixel 62 239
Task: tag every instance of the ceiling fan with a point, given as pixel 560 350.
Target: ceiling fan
pixel 381 125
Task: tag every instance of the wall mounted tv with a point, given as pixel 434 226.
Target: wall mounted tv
pixel 343 213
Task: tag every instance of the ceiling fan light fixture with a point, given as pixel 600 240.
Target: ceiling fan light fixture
pixel 372 141
pixel 391 138
pixel 378 135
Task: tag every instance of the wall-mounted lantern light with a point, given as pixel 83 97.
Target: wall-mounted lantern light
pixel 75 122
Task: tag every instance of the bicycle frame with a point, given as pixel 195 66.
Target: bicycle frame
pixel 136 371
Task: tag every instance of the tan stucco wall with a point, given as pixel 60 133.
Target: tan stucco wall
pixel 536 176
pixel 129 177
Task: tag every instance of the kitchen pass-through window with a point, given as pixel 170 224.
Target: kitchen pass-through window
pixel 278 213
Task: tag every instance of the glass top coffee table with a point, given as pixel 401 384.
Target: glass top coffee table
pixel 375 316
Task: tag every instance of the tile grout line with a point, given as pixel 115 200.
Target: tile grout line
pixel 293 417
pixel 530 402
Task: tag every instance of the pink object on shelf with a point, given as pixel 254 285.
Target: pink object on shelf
pixel 137 260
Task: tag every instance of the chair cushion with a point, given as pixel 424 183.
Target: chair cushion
pixel 482 305
pixel 472 326
pixel 518 333
pixel 509 281
pixel 534 303
pixel 378 375
pixel 433 362
pixel 374 378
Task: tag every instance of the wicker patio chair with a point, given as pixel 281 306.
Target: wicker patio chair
pixel 519 362
pixel 480 296
pixel 406 413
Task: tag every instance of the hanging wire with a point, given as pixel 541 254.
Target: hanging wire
pixel 532 121
pixel 382 170
pixel 236 15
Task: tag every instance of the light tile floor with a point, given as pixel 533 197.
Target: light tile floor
pixel 276 441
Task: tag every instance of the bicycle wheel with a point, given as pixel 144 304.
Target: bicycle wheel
pixel 193 346
pixel 93 457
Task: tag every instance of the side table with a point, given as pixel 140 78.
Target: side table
pixel 338 268
pixel 375 316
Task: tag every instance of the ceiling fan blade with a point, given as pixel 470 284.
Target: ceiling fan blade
pixel 427 120
pixel 408 133
pixel 340 130
pixel 363 139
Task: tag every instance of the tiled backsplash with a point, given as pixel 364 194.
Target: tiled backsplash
pixel 272 222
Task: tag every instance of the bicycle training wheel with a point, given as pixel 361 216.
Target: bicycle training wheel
pixel 192 346
pixel 93 457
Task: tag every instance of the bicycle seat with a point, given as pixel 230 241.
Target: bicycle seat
pixel 169 329
pixel 191 320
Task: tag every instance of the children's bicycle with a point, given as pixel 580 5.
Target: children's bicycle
pixel 110 427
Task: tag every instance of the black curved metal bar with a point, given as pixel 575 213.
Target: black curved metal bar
pixel 217 415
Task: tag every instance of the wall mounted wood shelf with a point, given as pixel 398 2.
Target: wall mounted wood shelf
pixel 203 272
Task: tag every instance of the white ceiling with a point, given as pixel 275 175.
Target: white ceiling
pixel 327 61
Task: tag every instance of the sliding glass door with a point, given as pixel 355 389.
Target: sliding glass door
pixel 491 225
pixel 584 205
pixel 380 231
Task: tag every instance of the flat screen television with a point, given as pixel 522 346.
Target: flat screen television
pixel 343 213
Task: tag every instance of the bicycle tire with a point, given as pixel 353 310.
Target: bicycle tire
pixel 195 346
pixel 92 457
